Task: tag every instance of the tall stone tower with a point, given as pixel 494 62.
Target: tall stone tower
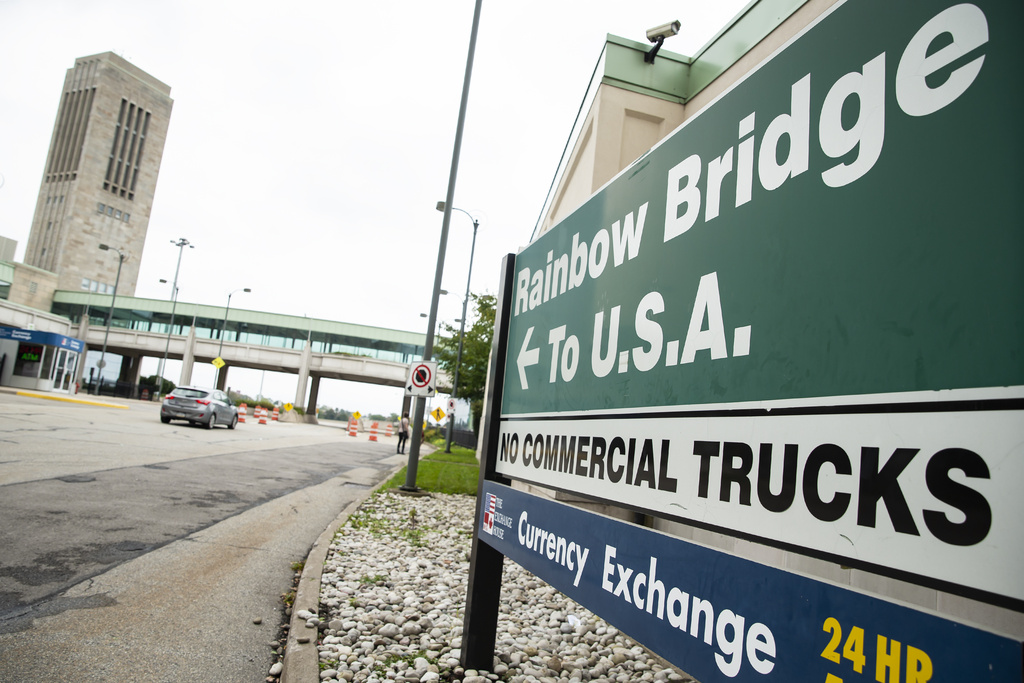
pixel 100 175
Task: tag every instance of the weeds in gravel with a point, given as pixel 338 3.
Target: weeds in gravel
pixel 377 578
pixel 415 537
pixel 366 518
pixel 382 666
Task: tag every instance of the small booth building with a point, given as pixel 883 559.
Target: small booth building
pixel 41 361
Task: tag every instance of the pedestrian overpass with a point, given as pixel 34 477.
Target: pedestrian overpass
pixel 309 347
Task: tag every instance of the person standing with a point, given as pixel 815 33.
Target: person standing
pixel 403 432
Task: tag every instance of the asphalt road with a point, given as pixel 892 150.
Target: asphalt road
pixel 136 551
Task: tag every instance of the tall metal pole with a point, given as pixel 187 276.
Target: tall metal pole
pixel 462 332
pixel 428 348
pixel 223 325
pixel 110 312
pixel 181 244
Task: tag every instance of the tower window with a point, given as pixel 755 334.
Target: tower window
pixel 126 150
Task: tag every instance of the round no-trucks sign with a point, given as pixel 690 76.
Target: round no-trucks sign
pixel 422 379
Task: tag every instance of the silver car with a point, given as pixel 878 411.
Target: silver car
pixel 207 407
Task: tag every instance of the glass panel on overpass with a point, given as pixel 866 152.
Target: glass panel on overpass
pixel 243 326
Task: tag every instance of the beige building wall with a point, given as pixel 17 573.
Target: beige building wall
pixel 27 318
pixel 100 175
pixel 7 248
pixel 620 127
pixel 32 287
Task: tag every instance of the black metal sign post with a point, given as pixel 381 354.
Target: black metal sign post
pixel 483 594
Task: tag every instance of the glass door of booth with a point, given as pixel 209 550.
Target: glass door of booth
pixel 62 374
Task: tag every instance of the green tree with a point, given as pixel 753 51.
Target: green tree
pixel 166 386
pixel 476 350
pixel 328 413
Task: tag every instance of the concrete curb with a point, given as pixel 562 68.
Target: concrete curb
pixel 302 660
pixel 70 399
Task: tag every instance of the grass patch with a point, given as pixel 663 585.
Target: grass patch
pixel 441 477
pixel 464 456
pixel 440 472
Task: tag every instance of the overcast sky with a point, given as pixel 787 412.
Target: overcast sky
pixel 309 145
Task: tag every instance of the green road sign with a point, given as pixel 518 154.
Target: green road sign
pixel 845 221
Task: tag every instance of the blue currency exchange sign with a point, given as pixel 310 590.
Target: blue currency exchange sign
pixel 719 617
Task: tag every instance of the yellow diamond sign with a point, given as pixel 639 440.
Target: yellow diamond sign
pixel 438 414
pixel 218 362
pixel 357 415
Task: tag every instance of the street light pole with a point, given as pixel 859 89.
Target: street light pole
pixel 462 324
pixel 428 347
pixel 181 244
pixel 110 312
pixel 223 325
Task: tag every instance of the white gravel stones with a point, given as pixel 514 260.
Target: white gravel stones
pixel 392 597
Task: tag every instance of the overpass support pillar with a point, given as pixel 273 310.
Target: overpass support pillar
pixel 83 326
pixel 304 363
pixel 131 369
pixel 188 358
pixel 222 378
pixel 83 331
pixel 314 391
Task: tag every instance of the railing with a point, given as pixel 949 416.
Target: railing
pixel 464 437
pixel 118 389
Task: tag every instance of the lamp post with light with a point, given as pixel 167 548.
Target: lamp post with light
pixel 181 243
pixel 110 312
pixel 223 325
pixel 462 324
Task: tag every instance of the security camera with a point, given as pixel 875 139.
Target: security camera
pixel 664 31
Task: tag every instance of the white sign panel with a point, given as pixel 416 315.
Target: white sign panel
pixel 923 493
pixel 422 379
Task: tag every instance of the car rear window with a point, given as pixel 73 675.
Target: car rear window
pixel 190 393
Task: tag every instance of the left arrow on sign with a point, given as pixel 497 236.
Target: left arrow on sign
pixel 526 358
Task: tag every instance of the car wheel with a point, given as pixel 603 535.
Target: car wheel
pixel 234 421
pixel 165 419
pixel 212 422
